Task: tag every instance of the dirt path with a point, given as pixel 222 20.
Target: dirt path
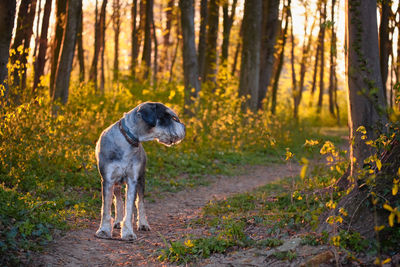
pixel 167 217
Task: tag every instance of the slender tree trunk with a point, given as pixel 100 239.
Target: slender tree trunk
pixel 64 68
pixel 167 33
pixel 190 65
pixel 61 6
pixel 280 61
pixel 146 57
pixel 81 55
pixel 134 39
pixel 228 22
pixel 237 50
pixel 37 29
pixel 210 63
pixel 7 16
pixel 102 49
pixel 269 31
pixel 155 54
pixel 171 68
pixel 202 37
pixel 384 44
pixel 322 66
pixel 292 59
pixel 41 58
pixel 100 21
pixel 117 25
pixel 250 63
pixel 332 67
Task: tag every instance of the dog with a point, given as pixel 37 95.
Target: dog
pixel 121 159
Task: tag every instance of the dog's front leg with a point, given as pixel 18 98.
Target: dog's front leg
pixel 127 230
pixel 119 206
pixel 142 224
pixel 104 230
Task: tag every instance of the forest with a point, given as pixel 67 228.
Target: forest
pixel 291 109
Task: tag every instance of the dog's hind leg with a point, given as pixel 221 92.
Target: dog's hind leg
pixel 127 231
pixel 142 224
pixel 119 206
pixel 104 230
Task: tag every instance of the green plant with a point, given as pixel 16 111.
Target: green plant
pixel 285 255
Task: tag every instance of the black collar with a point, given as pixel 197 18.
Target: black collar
pixel 127 134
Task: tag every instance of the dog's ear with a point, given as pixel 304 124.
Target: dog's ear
pixel 148 114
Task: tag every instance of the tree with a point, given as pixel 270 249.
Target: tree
pixel 41 57
pixel 202 37
pixel 210 63
pixel 61 6
pixel 99 32
pixel 117 25
pixel 384 43
pixel 81 56
pixel 134 39
pixel 146 56
pixel 269 31
pixel 190 65
pixel 7 15
pixel 227 23
pixel 64 65
pixel 333 105
pixel 169 14
pixel 250 63
pixel 322 55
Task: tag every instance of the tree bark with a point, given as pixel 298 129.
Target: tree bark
pixel 280 60
pixel 117 25
pixel 102 49
pixel 201 50
pixel 81 52
pixel 134 39
pixel 146 56
pixel 100 21
pixel 367 106
pixel 269 31
pixel 61 6
pixel 190 65
pixel 250 63
pixel 332 68
pixel 384 43
pixel 155 54
pixel 322 55
pixel 237 50
pixel 7 15
pixel 41 58
pixel 228 22
pixel 210 63
pixel 64 67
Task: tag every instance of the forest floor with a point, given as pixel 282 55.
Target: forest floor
pixel 168 216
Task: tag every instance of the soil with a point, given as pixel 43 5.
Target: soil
pixel 168 216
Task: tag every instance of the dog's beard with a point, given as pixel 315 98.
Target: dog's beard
pixel 169 142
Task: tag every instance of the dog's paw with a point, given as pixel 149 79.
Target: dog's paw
pixel 103 234
pixel 128 236
pixel 143 227
pixel 117 225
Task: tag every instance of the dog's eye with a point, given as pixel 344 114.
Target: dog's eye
pixel 175 118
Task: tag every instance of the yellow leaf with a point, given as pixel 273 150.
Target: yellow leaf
pixel 378 164
pixel 395 189
pixel 386 261
pixel 303 171
pixel 387 207
pixel 391 219
pixel 171 95
pixel 379 228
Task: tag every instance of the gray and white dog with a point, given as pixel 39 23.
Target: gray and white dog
pixel 121 160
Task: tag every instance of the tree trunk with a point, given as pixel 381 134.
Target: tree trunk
pixel 322 51
pixel 250 63
pixel 210 63
pixel 280 60
pixel 332 67
pixel 67 51
pixel 269 31
pixel 228 22
pixel 237 50
pixel 7 16
pixel 41 58
pixel 100 21
pixel 81 56
pixel 117 25
pixel 102 49
pixel 155 54
pixel 201 50
pixel 146 57
pixel 134 39
pixel 190 66
pixel 167 33
pixel 367 106
pixel 384 44
pixel 37 29
pixel 171 68
pixel 61 6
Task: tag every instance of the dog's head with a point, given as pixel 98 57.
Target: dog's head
pixel 160 123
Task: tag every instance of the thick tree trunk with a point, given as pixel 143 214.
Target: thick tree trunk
pixel 7 15
pixel 384 44
pixel 100 21
pixel 64 68
pixel 201 50
pixel 61 6
pixel 210 64
pixel 190 65
pixel 117 25
pixel 322 54
pixel 228 22
pixel 250 63
pixel 41 58
pixel 146 57
pixel 269 31
pixel 81 55
pixel 280 61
